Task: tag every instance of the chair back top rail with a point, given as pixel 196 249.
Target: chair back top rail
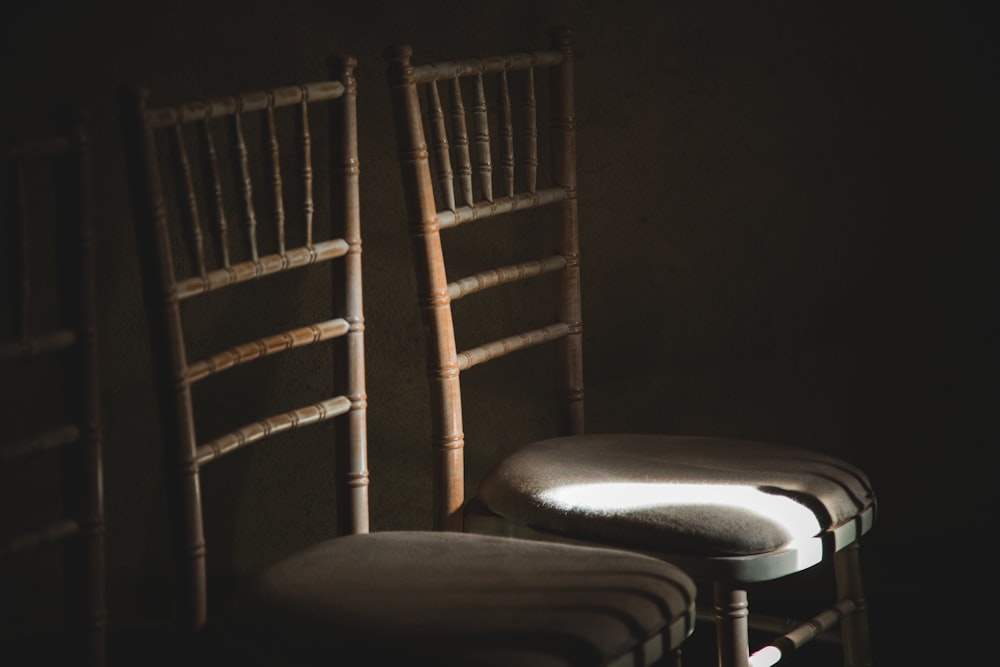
pixel 450 69
pixel 230 105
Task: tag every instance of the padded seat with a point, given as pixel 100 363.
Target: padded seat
pixel 676 494
pixel 460 599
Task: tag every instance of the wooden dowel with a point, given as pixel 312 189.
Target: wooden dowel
pixel 504 346
pixel 504 275
pixel 484 209
pixel 305 146
pixel 189 212
pixel 506 125
pixel 481 140
pixel 563 166
pixel 469 66
pixel 439 142
pixel 219 107
pixel 244 184
pixel 352 503
pixel 275 174
pixel 266 346
pixel 529 135
pixel 213 192
pixel 285 421
pixel 264 266
pixel 802 634
pixel 460 141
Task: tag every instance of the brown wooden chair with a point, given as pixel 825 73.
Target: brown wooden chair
pixel 50 448
pixel 473 154
pixel 420 597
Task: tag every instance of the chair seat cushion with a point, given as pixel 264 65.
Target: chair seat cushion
pixel 676 494
pixel 442 598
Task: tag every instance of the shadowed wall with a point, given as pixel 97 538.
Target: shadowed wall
pixel 783 208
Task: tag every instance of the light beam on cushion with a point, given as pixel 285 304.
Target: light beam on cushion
pixel 610 497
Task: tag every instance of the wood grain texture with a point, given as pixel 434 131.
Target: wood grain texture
pixel 453 149
pixel 272 251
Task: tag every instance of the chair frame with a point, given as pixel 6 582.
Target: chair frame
pixel 82 528
pixel 186 454
pixel 428 218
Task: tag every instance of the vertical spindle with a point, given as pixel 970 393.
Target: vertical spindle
pixel 213 191
pixel 305 144
pixel 530 137
pixel 506 124
pixel 439 142
pixel 189 212
pixel 275 173
pixel 481 139
pixel 244 183
pixel 460 141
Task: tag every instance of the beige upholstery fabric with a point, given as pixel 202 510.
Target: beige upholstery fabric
pixel 619 489
pixel 453 599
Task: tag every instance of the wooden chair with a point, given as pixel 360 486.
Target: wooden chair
pixel 50 450
pixel 474 154
pixel 375 597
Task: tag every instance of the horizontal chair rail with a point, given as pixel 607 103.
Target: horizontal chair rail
pixel 504 346
pixel 52 341
pixel 263 347
pixel 37 149
pixel 469 66
pixel 312 414
pixel 54 532
pixel 265 266
pixel 40 442
pixel 802 634
pixel 504 274
pixel 220 107
pixel 486 208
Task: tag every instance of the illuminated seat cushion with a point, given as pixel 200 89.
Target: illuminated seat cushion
pixel 444 598
pixel 675 494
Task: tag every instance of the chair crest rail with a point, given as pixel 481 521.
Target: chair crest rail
pixel 218 107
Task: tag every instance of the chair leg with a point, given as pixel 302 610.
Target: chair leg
pixel 731 626
pixel 854 628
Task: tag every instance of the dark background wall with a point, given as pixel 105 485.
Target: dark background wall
pixel 784 211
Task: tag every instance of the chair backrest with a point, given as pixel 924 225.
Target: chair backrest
pixel 50 387
pixel 198 162
pixel 474 112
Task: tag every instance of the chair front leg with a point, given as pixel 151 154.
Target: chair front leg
pixel 854 628
pixel 731 626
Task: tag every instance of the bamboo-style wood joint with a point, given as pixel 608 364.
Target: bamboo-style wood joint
pixel 452 442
